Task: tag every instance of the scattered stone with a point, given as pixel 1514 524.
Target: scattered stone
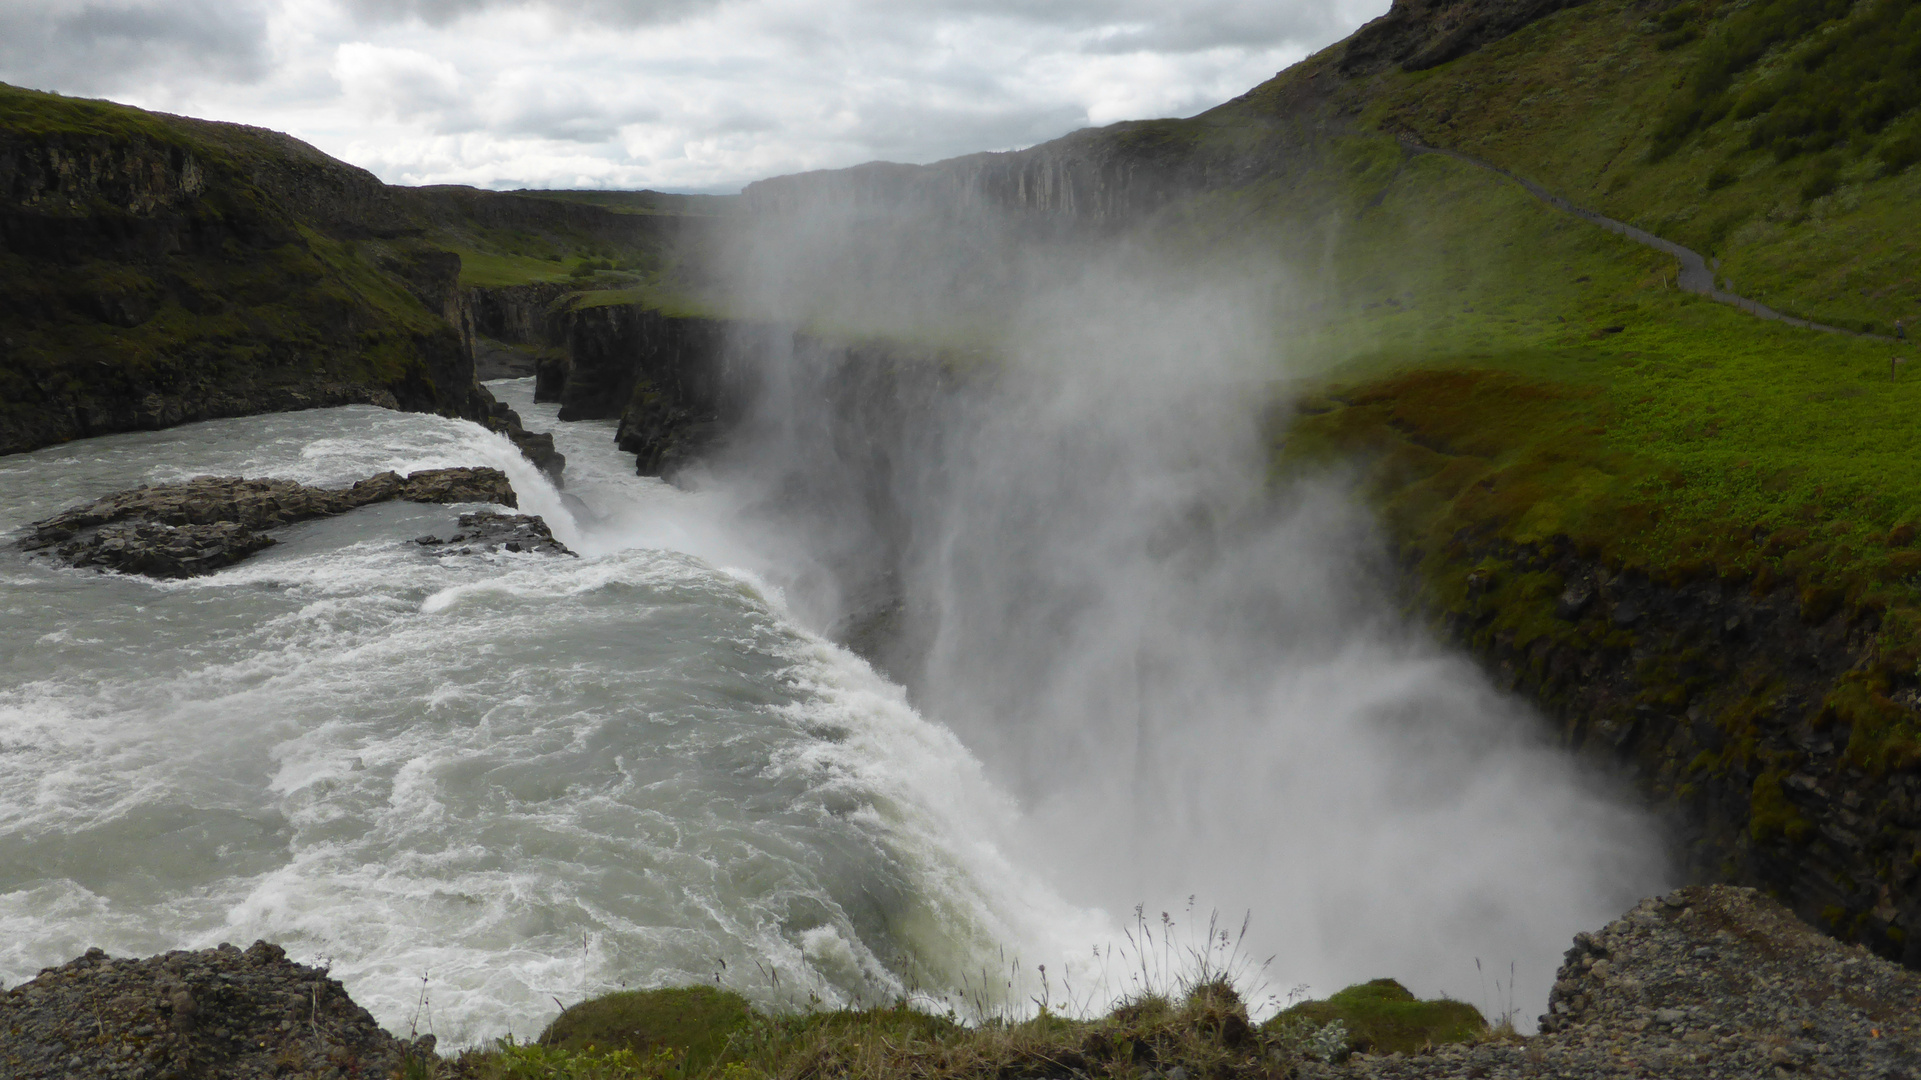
pixel 1573 600
pixel 217 1014
pixel 485 530
pixel 200 525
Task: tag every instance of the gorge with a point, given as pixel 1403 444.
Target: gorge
pixel 1244 513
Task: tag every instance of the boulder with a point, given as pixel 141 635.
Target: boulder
pixel 485 530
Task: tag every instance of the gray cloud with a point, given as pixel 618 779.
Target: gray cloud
pixel 1228 22
pixel 107 46
pixel 686 94
pixel 613 12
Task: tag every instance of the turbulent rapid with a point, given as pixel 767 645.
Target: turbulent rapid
pixel 476 784
pixel 481 785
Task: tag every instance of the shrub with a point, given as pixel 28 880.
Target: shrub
pixel 1820 182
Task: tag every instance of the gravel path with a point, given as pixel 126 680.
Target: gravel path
pixel 1696 276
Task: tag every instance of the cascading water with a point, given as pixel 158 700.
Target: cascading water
pixel 1188 676
pixel 495 780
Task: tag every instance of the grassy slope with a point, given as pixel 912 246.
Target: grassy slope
pixel 276 302
pixel 1577 102
pixel 1516 375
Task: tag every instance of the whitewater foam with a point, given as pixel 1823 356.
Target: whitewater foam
pixel 493 779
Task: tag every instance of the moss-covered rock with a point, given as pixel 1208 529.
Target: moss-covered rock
pixel 1384 1017
pixel 694 1021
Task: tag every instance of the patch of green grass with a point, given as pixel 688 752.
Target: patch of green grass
pixel 485 269
pixel 38 114
pixel 1384 1017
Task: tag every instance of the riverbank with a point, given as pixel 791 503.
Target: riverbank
pixel 1701 982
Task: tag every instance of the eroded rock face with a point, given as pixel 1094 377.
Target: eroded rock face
pixel 217 1014
pixel 485 530
pixel 200 525
pixel 1420 34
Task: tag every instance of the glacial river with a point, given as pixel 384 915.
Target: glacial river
pixel 478 787
pixel 475 784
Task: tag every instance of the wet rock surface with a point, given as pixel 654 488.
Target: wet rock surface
pixel 485 530
pixel 200 525
pixel 163 551
pixel 1708 981
pixel 211 1015
pixel 1726 701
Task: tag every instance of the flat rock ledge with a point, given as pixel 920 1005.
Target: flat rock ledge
pixel 219 1013
pixel 1707 981
pixel 200 525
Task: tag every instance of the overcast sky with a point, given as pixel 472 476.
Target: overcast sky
pixel 680 95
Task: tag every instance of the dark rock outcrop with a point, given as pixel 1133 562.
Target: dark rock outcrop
pixel 216 1014
pixel 1420 34
pixel 200 525
pixel 1746 712
pixel 157 270
pixel 163 551
pixel 485 530
pixel 677 383
pixel 1706 981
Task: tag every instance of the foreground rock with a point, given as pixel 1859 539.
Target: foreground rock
pixel 1707 981
pixel 485 530
pixel 218 1014
pixel 200 525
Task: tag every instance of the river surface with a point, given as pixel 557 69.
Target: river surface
pixel 475 785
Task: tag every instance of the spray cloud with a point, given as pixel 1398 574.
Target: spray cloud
pixel 1057 526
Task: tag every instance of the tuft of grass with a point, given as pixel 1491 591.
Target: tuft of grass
pixel 692 1023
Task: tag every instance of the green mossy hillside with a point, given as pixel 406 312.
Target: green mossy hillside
pixel 1778 137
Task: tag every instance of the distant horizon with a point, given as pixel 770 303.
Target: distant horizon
pixel 691 97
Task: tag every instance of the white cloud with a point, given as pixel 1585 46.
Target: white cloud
pixel 676 94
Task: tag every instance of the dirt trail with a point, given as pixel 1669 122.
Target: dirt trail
pixel 1696 275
